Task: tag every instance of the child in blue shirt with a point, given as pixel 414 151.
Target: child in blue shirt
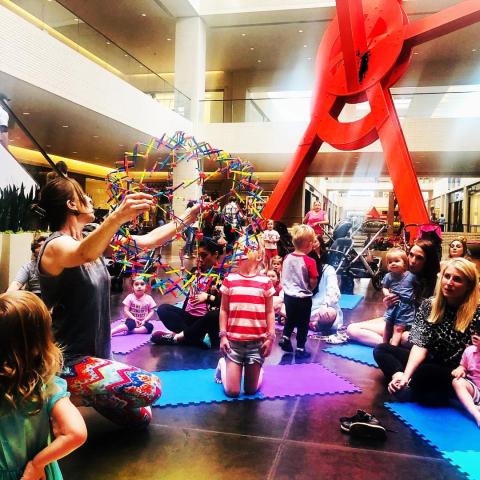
pixel 403 283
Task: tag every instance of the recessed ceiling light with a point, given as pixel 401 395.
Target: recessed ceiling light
pixel 300 31
pixel 144 14
pixel 474 49
pixel 26 113
pixel 74 152
pixel 169 39
pixel 259 61
pixel 125 54
pixel 252 48
pixel 95 136
pixel 64 126
pixel 120 145
pixel 244 34
pixel 107 42
pixel 48 146
pixel 96 158
pixel 308 58
pixel 416 53
pixel 305 46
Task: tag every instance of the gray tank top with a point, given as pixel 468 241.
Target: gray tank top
pixel 80 301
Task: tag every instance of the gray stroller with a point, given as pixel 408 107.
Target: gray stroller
pixel 350 263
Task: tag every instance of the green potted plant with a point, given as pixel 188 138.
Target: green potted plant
pixel 17 225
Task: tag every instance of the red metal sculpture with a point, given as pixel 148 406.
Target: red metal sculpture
pixel 365 50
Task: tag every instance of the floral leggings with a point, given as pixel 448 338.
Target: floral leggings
pixel 119 392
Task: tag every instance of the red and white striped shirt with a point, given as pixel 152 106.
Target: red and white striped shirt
pixel 247 319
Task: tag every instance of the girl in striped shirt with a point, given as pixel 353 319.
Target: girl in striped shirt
pixel 247 323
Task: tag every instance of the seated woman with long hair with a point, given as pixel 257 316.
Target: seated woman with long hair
pixel 443 327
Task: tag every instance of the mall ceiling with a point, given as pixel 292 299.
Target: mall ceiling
pixel 146 30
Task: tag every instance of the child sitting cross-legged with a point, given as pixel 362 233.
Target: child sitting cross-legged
pixel 247 325
pixel 139 308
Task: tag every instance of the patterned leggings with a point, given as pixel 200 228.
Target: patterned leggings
pixel 117 391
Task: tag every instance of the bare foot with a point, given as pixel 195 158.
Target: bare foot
pixel 218 375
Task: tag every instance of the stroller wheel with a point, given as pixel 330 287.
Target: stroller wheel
pixel 377 280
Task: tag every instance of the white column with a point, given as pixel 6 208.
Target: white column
pixel 190 51
pixel 190 48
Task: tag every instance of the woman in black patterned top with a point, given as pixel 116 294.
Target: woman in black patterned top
pixel 443 328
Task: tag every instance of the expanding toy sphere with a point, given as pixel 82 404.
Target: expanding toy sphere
pixel 163 155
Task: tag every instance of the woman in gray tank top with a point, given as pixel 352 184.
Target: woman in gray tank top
pixel 75 284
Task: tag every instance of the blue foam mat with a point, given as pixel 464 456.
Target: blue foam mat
pixel 449 430
pixel 354 351
pixel 349 302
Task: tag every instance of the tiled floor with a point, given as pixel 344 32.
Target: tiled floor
pixel 295 438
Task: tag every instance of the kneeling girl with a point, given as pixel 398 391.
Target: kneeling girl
pixel 247 324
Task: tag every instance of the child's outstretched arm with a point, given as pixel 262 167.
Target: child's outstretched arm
pixel 70 432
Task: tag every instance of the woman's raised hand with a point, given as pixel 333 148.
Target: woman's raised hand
pixel 191 214
pixel 133 205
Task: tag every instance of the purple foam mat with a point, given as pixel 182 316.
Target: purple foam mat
pixel 186 387
pixel 303 379
pixel 123 344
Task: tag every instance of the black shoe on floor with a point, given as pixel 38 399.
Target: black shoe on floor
pixel 363 425
pixel 285 344
pixel 302 353
pixel 163 338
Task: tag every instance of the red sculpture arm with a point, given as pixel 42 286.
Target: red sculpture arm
pixel 365 50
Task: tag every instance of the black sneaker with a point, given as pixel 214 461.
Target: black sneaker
pixel 285 344
pixel 302 353
pixel 163 338
pixel 363 425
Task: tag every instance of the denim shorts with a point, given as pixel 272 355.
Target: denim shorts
pixel 476 392
pixel 245 353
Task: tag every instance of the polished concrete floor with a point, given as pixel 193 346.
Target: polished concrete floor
pixel 293 438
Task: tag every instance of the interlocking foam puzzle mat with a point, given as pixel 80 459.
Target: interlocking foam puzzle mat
pixel 349 302
pixel 449 430
pixel 124 344
pixel 354 351
pixel 185 387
